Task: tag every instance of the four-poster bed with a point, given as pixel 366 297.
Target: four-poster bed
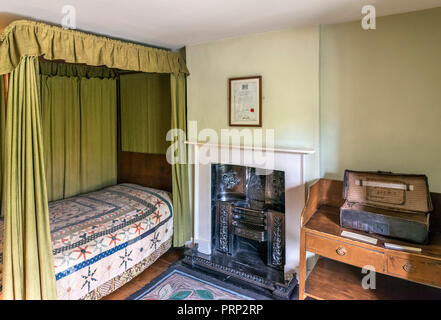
pixel 87 208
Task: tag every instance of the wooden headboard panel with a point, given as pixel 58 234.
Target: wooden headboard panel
pixel 148 170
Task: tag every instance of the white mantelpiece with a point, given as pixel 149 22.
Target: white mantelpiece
pixel 289 160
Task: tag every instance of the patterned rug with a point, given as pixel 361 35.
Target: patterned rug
pixel 179 282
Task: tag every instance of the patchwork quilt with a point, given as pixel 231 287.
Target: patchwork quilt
pixel 100 235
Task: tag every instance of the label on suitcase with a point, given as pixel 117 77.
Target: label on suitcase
pixel 400 192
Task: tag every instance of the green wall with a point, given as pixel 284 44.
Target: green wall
pixel 288 62
pixel 380 96
pixel 365 100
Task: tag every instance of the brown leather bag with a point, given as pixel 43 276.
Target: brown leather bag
pixel 401 192
pixel 393 205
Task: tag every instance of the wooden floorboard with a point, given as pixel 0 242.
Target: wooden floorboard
pixel 147 275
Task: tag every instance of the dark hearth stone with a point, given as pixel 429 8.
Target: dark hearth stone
pixel 262 278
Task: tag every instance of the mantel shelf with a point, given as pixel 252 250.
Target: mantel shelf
pixel 299 150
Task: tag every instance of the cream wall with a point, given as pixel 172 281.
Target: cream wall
pixel 288 63
pixel 380 96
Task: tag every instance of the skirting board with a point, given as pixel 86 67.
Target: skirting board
pixel 204 246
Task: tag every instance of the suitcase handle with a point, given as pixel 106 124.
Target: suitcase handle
pixel 382 184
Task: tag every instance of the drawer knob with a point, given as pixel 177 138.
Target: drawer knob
pixel 408 267
pixel 341 251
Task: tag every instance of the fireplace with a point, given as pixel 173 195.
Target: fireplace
pixel 248 227
pixel 248 215
pixel 292 163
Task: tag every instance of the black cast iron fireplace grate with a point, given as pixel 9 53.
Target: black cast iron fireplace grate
pixel 248 215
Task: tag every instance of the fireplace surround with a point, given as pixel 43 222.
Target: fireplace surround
pixel 278 278
pixel 248 226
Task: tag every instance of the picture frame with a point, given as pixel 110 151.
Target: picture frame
pixel 245 101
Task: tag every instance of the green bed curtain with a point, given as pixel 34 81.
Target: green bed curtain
pixel 145 112
pixel 79 134
pixel 28 270
pixel 2 135
pixel 181 188
pixel 98 134
pixel 49 68
pixel 60 112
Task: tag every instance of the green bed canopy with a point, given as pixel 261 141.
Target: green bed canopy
pixel 28 271
pixel 29 38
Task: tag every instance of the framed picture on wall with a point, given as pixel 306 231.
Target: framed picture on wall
pixel 245 101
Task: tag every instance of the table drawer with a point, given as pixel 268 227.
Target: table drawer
pixel 418 269
pixel 345 252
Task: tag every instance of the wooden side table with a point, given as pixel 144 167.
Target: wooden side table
pixel 338 271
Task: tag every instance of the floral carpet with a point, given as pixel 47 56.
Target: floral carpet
pixel 183 283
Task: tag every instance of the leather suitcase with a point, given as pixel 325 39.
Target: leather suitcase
pixel 412 227
pixel 393 205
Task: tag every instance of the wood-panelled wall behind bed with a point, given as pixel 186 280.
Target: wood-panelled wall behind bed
pixel 31 277
pixel 149 170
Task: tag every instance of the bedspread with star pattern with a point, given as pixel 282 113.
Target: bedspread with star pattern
pixel 99 235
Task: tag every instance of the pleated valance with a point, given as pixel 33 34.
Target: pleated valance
pixel 29 38
pixel 49 68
